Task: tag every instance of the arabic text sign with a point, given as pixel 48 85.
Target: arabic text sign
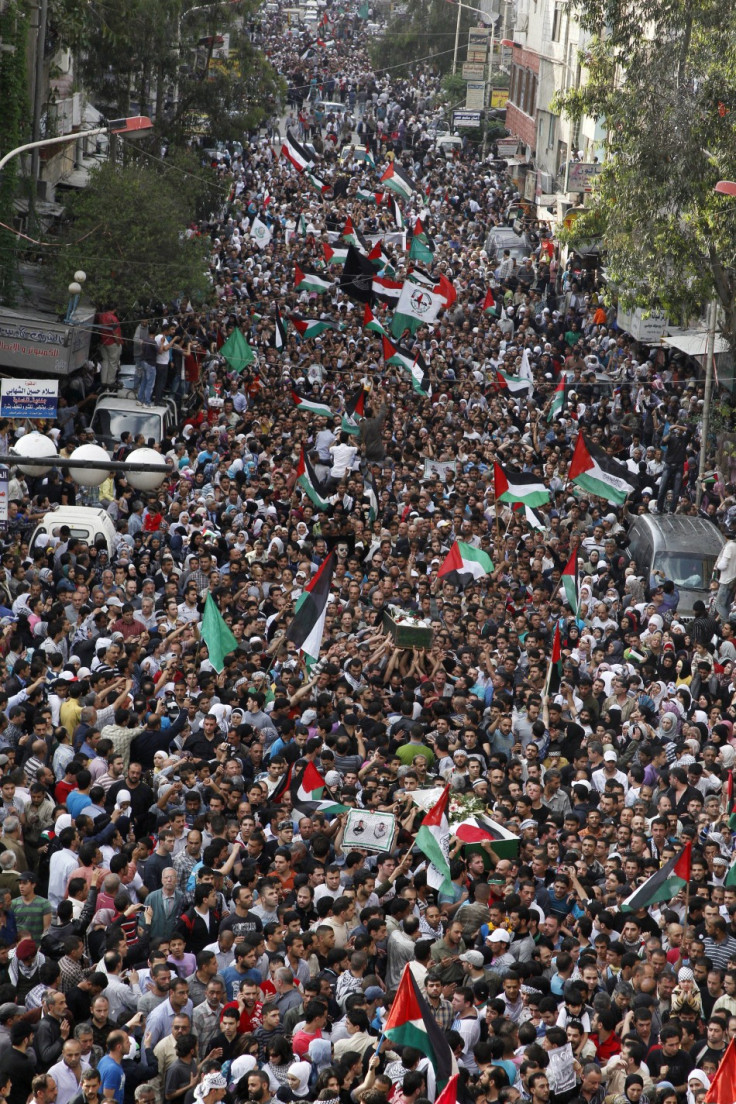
pixel 28 398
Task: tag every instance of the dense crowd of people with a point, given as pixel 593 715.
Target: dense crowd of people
pixel 176 923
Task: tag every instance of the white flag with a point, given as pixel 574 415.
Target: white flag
pixel 260 232
pixel 417 306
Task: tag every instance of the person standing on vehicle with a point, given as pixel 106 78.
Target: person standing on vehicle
pixel 164 341
pixel 148 376
pixel 675 440
pixel 111 347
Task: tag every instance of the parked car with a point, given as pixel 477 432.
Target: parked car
pixel 501 238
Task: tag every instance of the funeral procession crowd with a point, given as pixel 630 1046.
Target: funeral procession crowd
pixel 381 759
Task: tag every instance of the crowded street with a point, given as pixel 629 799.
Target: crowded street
pixel 384 753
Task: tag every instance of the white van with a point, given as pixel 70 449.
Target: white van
pixel 86 523
pixel 114 413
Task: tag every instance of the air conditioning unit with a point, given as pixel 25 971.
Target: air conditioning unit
pixel 547 182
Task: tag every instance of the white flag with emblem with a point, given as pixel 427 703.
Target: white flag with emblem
pixel 417 306
pixel 260 232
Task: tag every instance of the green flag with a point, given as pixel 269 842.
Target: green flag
pixel 237 352
pixel 216 635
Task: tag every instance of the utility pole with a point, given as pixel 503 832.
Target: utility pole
pixel 39 86
pixel 709 357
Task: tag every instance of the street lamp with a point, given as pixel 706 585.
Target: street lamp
pixel 726 187
pixel 134 126
pixel 75 290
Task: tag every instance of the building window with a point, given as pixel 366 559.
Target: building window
pixel 557 22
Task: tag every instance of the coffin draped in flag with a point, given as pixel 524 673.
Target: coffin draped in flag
pixel 295 152
pixel 664 884
pixel 411 1023
pixel 308 626
pixel 398 181
pixel 465 564
pixel 598 474
pixel 417 306
pixel 310 281
pixel 309 483
pixel 569 580
pixel 514 486
pixel 433 840
pixel 354 411
pixel 356 279
pixel 478 829
pixel 309 794
pixel 306 406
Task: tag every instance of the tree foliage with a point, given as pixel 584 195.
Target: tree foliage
pixel 424 32
pixel 662 78
pixel 126 231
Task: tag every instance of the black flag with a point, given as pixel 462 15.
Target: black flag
pixel 357 276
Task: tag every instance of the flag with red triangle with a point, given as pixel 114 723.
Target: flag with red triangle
pixel 723 1085
pixel 570 581
pixel 370 322
pixel 410 1022
pixel 489 303
pixel 663 885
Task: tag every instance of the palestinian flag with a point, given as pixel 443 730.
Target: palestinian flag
pixel 449 1093
pixel 310 281
pixel 282 786
pixel 311 327
pixel 370 322
pixel 515 385
pixel 387 290
pixel 317 184
pixel 664 884
pixel 465 564
pixel 310 786
pixel 518 487
pixel 295 152
pixel 417 275
pixel 489 303
pixel 422 246
pixel 532 517
pixel 554 672
pixel 366 196
pixel 354 411
pixel 312 808
pixel 559 400
pixel 414 364
pixel 411 1023
pixel 350 235
pixel 598 474
pixel 377 256
pixel 477 829
pixel 309 483
pixel 396 212
pixel 309 616
pixel 370 492
pixel 433 840
pixel 570 581
pixel 309 407
pixel 446 289
pixel 334 256
pixel 398 181
pixel 279 334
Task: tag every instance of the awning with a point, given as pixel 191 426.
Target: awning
pixel 695 344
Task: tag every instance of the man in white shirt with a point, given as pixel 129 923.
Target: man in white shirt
pixel 67 1073
pixel 343 457
pixel 62 864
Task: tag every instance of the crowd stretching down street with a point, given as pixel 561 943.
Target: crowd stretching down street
pixel 394 592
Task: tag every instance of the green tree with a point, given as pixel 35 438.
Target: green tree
pixel 424 32
pixel 127 231
pixel 662 78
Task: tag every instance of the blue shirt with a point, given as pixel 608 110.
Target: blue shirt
pixel 112 1077
pixel 75 802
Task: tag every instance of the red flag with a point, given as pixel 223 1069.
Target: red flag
pixel 348 229
pixel 683 866
pixel 556 646
pixel 449 1093
pixel 489 302
pixel 723 1085
pixel 446 289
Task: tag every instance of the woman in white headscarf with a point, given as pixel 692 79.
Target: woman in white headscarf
pixel 298 1079
pixel 696 1080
